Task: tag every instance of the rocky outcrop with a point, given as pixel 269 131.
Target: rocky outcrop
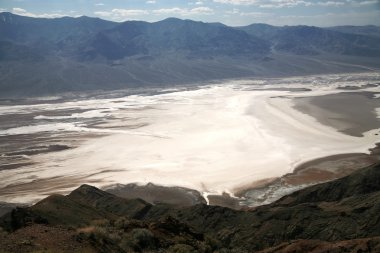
pixel 334 216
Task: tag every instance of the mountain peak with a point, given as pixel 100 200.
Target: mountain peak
pixel 10 18
pixel 171 19
pixel 87 191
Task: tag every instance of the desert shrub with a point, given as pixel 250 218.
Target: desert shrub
pixel 127 244
pixel 224 250
pixel 181 248
pixel 125 224
pixel 101 223
pixel 41 251
pixel 213 243
pixel 104 239
pixel 114 237
pixel 138 239
pixel 99 235
pixel 144 237
pixel 121 223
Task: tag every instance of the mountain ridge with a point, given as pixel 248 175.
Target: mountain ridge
pixel 309 219
pixel 50 56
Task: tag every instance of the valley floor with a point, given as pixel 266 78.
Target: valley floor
pixel 240 138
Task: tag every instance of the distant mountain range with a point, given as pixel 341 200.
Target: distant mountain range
pixel 44 56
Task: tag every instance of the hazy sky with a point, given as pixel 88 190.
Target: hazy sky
pixel 230 12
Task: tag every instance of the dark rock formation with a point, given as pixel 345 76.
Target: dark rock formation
pixel 340 215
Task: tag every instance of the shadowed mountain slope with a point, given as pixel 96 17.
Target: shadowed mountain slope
pixel 362 30
pixel 309 40
pixel 173 36
pixel 48 56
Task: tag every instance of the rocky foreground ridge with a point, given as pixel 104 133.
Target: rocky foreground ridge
pixel 338 216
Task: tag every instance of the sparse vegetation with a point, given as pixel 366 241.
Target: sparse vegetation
pixel 126 235
pixel 312 213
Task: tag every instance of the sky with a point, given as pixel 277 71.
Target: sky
pixel 230 12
